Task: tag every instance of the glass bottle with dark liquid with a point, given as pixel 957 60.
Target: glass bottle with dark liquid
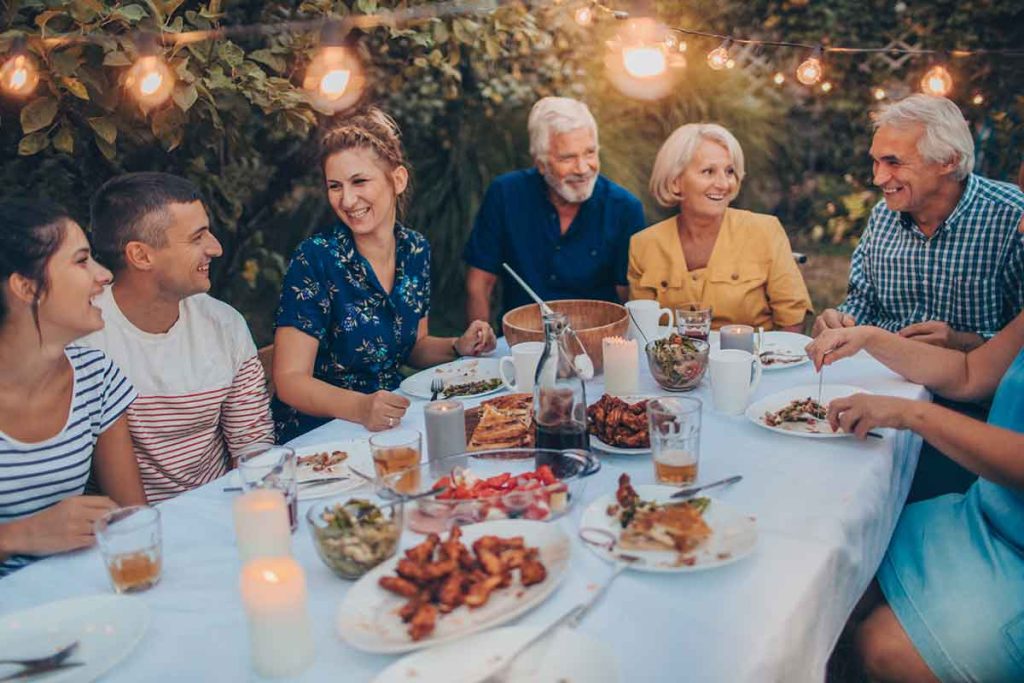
pixel 559 396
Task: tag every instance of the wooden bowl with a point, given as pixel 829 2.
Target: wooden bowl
pixel 591 320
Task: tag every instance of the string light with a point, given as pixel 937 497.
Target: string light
pixel 826 87
pixel 718 58
pixel 879 93
pixel 19 75
pixel 809 72
pixel 584 16
pixel 779 78
pixel 730 64
pixel 149 80
pixel 334 80
pixel 978 99
pixel 639 61
pixel 937 81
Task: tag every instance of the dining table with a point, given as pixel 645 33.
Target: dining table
pixel 824 509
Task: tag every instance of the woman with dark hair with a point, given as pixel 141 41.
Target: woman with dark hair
pixel 354 303
pixel 61 406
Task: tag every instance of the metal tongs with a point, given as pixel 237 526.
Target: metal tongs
pixel 582 363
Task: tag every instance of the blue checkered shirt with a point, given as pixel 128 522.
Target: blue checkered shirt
pixel 969 274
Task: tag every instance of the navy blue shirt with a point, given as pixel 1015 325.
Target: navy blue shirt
pixel 517 224
pixel 332 294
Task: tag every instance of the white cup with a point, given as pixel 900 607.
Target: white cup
pixel 645 314
pixel 523 366
pixel 735 375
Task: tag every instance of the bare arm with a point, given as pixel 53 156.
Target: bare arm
pixel 428 351
pixel 115 466
pixel 622 291
pixel 954 374
pixel 294 355
pixel 479 288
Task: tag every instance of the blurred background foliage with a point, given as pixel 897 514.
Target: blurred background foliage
pixel 461 89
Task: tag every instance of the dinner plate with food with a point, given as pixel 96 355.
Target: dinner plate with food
pixel 453 585
pixel 565 655
pixel 784 350
pixel 323 469
pixel 462 378
pixel 618 424
pixel 650 531
pixel 501 422
pixel 796 411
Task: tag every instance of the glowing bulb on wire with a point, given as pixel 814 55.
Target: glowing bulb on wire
pixel 730 64
pixel 19 75
pixel 779 78
pixel 644 62
pixel 584 16
pixel 642 59
pixel 334 80
pixel 810 70
pixel 879 93
pixel 150 81
pixel 826 87
pixel 718 58
pixel 978 99
pixel 937 81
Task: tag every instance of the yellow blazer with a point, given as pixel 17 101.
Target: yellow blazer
pixel 751 277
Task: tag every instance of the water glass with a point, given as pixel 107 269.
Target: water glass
pixel 675 438
pixel 265 466
pixel 398 450
pixel 130 542
pixel 694 320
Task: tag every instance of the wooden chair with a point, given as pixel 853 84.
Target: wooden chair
pixel 266 356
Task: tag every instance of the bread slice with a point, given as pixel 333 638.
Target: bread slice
pixel 505 422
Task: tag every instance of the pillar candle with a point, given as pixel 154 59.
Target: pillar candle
pixel 446 428
pixel 621 365
pixel 274 596
pixel 737 337
pixel 261 524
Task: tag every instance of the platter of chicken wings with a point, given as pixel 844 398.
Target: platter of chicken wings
pixel 618 425
pixel 454 584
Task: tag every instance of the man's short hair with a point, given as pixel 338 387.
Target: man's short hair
pixel 946 138
pixel 556 115
pixel 131 208
pixel 677 152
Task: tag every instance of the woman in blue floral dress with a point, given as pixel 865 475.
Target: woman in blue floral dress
pixel 356 296
pixel 953 576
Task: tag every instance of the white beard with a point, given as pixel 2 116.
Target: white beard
pixel 570 193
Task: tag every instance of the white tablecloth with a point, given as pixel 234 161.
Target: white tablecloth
pixel 825 511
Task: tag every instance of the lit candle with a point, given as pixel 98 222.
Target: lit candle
pixel 446 428
pixel 261 524
pixel 274 596
pixel 737 337
pixel 621 365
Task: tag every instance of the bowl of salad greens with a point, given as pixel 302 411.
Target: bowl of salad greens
pixel 677 363
pixel 355 534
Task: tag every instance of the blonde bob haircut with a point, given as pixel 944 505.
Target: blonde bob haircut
pixel 677 152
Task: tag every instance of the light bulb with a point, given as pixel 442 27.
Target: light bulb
pixel 718 58
pixel 826 87
pixel 334 83
pixel 150 81
pixel 334 79
pixel 644 62
pixel 730 64
pixel 809 72
pixel 878 93
pixel 584 16
pixel 19 75
pixel 779 78
pixel 937 81
pixel 671 42
pixel 978 99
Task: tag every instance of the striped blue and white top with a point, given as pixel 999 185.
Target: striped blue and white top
pixel 969 274
pixel 34 476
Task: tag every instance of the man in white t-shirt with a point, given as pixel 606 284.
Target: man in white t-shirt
pixel 202 392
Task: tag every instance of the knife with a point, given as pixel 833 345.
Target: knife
pixel 691 491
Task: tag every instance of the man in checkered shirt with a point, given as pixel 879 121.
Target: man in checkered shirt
pixel 942 258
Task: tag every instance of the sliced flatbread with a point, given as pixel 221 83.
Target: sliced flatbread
pixel 505 422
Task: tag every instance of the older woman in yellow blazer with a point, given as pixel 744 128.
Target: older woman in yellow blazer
pixel 737 262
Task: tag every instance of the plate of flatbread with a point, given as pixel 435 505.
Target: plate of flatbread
pixel 501 422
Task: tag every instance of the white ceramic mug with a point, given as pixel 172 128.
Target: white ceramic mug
pixel 735 375
pixel 523 366
pixel 645 314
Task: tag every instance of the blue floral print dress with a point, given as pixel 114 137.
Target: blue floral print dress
pixel 365 333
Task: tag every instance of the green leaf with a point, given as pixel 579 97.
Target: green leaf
pixel 33 144
pixel 167 127
pixel 116 58
pixel 231 54
pixel 38 114
pixel 104 129
pixel 108 149
pixel 64 140
pixel 66 62
pixel 185 96
pixel 133 13
pixel 275 62
pixel 76 88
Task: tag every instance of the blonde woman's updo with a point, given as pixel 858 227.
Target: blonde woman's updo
pixel 368 128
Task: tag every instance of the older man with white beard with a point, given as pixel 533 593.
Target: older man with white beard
pixel 561 225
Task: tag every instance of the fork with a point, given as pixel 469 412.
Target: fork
pixel 44 662
pixel 28 673
pixel 436 387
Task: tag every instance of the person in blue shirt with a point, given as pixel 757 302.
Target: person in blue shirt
pixel 355 300
pixel 951 600
pixel 562 226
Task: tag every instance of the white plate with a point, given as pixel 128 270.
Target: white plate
pixel 567 655
pixel 599 445
pixel 733 534
pixel 107 628
pixel 458 371
pixel 788 343
pixel 367 618
pixel 829 392
pixel 358 455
